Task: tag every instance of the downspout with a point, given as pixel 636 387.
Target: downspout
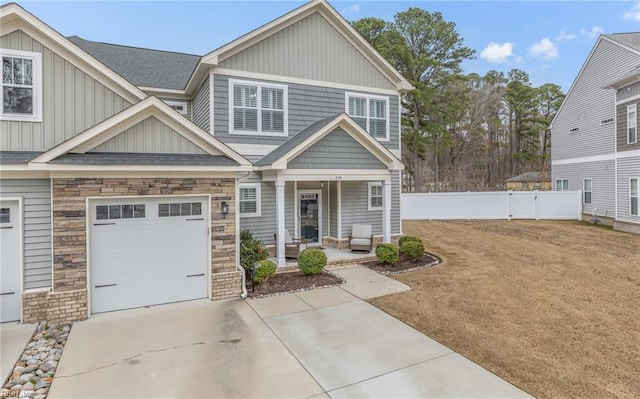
pixel 243 294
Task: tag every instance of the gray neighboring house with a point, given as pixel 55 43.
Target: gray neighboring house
pixel 128 173
pixel 594 135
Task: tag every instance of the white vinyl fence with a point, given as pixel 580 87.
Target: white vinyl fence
pixel 566 205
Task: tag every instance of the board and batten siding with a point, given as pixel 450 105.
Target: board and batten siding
pixel 310 49
pixel 337 150
pixel 149 136
pixel 602 175
pixel 201 110
pixel 36 196
pixel 72 101
pixel 307 105
pixel 627 168
pixel 622 134
pixel 588 103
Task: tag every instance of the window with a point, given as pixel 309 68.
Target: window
pixel 109 212
pixel 250 200
pixel 258 108
pixel 5 215
pixel 371 113
pixel 180 209
pixel 182 107
pixel 562 184
pixel 632 124
pixel 633 196
pixel 375 196
pixel 587 191
pixel 21 86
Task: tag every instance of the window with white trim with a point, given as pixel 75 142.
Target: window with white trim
pixel 587 191
pixel 257 108
pixel 632 124
pixel 21 86
pixel 375 197
pixel 370 112
pixel 126 211
pixel 250 200
pixel 562 184
pixel 633 196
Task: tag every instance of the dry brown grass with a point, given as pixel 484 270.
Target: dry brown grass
pixel 552 307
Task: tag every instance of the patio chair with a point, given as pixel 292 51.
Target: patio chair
pixel 291 245
pixel 361 238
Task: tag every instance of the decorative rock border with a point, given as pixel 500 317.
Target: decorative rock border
pixel 34 371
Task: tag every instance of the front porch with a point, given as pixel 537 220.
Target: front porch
pixel 335 257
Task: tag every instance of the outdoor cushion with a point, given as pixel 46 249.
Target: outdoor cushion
pixel 360 241
pixel 361 231
pixel 287 237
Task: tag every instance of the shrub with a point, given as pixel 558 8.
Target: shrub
pixel 264 271
pixel 252 251
pixel 312 261
pixel 387 253
pixel 404 239
pixel 412 249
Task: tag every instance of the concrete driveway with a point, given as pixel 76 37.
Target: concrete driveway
pixel 13 338
pixel 324 343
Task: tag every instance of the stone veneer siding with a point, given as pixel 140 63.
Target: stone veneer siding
pixel 68 299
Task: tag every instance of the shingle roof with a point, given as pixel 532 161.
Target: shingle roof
pixel 531 176
pixel 16 157
pixel 294 141
pixel 630 39
pixel 125 158
pixel 143 67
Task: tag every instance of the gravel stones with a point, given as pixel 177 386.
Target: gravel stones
pixel 33 373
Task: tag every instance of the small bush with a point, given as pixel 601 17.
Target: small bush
pixel 252 251
pixel 404 239
pixel 312 261
pixel 412 249
pixel 264 271
pixel 387 253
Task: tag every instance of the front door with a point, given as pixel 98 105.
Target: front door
pixel 310 216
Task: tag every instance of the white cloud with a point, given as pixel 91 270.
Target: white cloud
pixel 594 32
pixel 545 49
pixel 497 53
pixel 633 13
pixel 354 8
pixel 565 36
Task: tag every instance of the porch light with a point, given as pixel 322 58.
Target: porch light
pixel 224 208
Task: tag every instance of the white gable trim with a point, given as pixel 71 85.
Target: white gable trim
pixel 330 14
pixel 152 106
pixel 13 17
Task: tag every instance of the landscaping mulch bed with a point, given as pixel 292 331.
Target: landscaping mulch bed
pixel 295 281
pixel 404 264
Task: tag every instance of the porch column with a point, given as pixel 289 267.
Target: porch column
pixel 386 212
pixel 280 223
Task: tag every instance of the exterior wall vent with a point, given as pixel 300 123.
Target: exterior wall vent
pixel 574 130
pixel 606 121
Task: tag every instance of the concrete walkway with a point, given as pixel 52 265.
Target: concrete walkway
pixel 321 343
pixel 13 338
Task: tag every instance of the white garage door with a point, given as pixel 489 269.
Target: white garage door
pixel 148 251
pixel 9 261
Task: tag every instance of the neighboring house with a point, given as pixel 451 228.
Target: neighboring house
pixel 127 173
pixel 530 181
pixel 594 135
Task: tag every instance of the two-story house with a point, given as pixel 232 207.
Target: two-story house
pixel 594 135
pixel 126 174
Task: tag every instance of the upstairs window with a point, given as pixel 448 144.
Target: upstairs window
pixel 371 113
pixel 258 108
pixel 21 86
pixel 562 184
pixel 632 124
pixel 587 191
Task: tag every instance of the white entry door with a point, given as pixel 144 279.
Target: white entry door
pixel 10 232
pixel 310 216
pixel 148 251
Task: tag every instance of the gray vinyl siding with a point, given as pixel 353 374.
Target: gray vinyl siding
pixel 264 226
pixel 72 101
pixel 627 168
pixel 602 174
pixel 36 196
pixel 182 100
pixel 588 103
pixel 628 91
pixel 337 150
pixel 149 136
pixel 621 121
pixel 307 104
pixel 201 110
pixel 309 49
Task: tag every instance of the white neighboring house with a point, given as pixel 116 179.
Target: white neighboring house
pixel 594 139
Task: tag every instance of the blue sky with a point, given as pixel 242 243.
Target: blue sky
pixel 550 40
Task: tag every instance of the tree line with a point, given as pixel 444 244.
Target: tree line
pixel 461 131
